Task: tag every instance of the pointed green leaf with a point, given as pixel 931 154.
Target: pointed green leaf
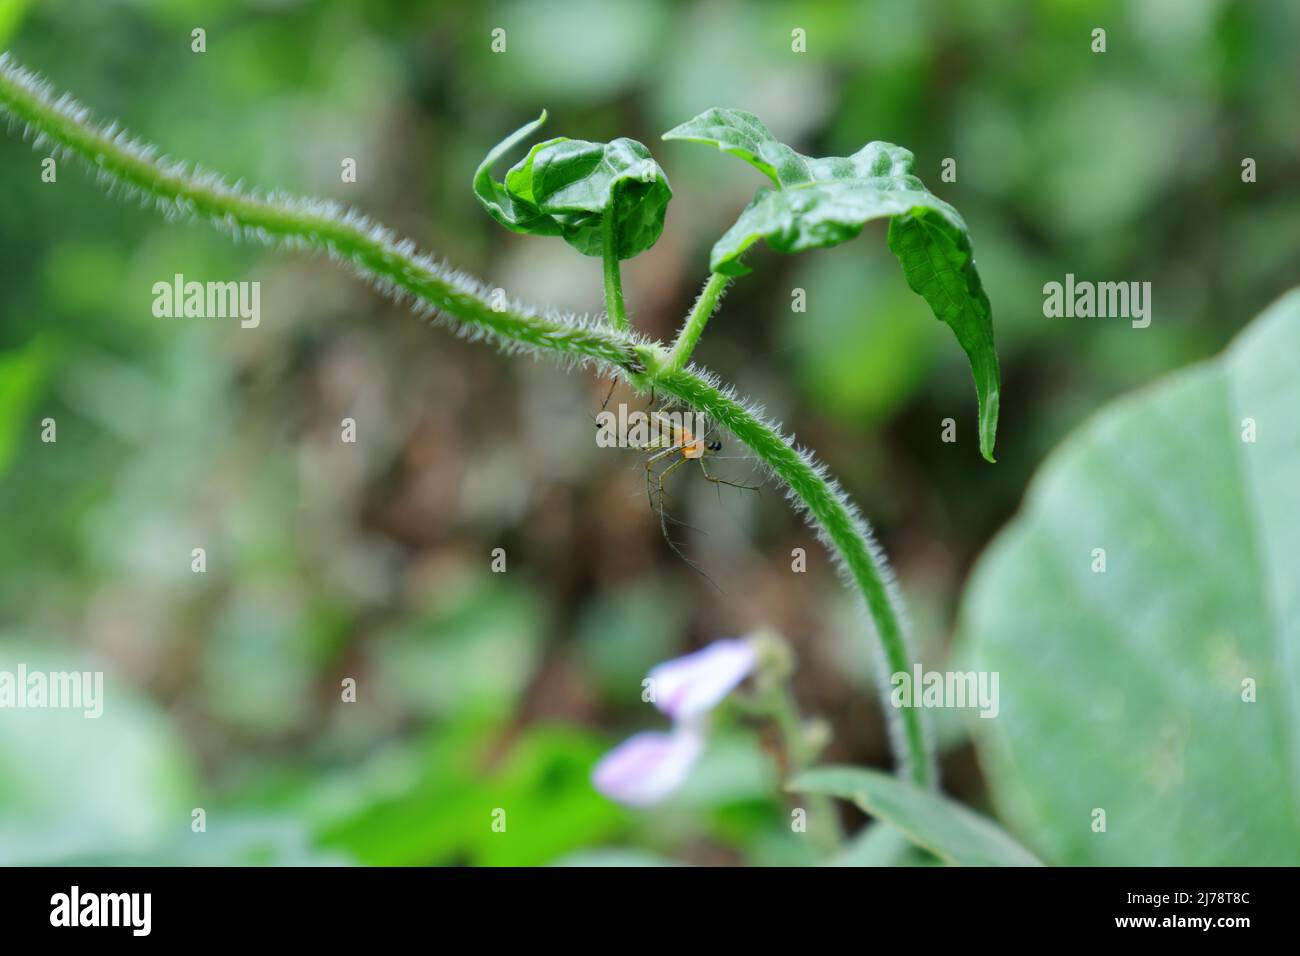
pixel 515 213
pixel 822 202
pixel 567 187
pixel 934 248
pixel 929 820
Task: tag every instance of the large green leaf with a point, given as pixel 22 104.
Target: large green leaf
pixel 570 188
pixel 1122 690
pixel 823 202
pixel 931 821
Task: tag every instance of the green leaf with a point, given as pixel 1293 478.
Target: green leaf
pixel 818 203
pixel 880 844
pixel 744 135
pixel 568 187
pixel 12 14
pixel 443 812
pixel 931 821
pixel 1122 690
pixel 22 374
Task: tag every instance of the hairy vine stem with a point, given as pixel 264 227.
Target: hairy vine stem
pixel 398 269
pixel 704 308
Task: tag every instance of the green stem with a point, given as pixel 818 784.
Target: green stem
pixel 399 270
pixel 705 306
pixel 781 705
pixel 374 251
pixel 613 278
pixel 843 530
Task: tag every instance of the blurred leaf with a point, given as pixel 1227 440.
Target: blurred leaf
pixel 770 841
pixel 823 202
pixel 929 820
pixel 550 805
pixel 73 786
pixel 570 188
pixel 12 13
pixel 445 813
pixel 733 769
pixel 1123 690
pixel 473 650
pixel 411 805
pixel 22 373
pixel 880 844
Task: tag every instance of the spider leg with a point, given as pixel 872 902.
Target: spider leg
pixel 649 468
pixel 605 404
pixel 663 525
pixel 663 476
pixel 723 481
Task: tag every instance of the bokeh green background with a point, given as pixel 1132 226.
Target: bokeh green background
pixel 325 560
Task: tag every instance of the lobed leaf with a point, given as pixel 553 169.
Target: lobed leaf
pixel 822 202
pixel 568 188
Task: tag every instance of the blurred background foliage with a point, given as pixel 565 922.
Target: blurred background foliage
pixel 479 690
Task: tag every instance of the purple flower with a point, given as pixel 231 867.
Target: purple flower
pixel 648 767
pixel 686 687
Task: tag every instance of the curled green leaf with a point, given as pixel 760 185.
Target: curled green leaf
pixel 743 135
pixel 822 202
pixel 569 187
